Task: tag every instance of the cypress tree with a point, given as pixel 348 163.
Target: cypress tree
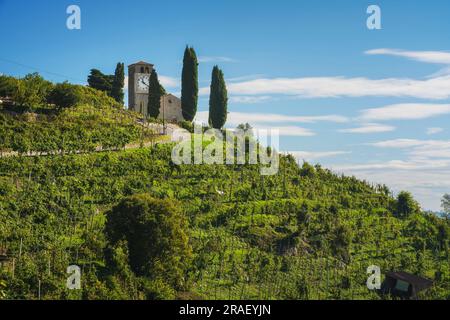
pixel 189 84
pixel 218 100
pixel 118 83
pixel 154 95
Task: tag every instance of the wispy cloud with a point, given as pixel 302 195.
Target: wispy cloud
pixel 419 149
pixel 425 178
pixel 406 111
pixel 436 57
pixel 211 59
pixel 315 155
pixel 434 130
pixel 334 87
pixel 250 99
pixel 169 82
pixel 236 118
pixel 292 131
pixel 369 128
pixel 244 78
pixel 267 121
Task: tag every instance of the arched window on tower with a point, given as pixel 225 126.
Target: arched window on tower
pixel 142 70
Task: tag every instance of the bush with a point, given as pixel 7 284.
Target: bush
pixel 30 91
pixel 64 95
pixel 155 231
pixel 187 125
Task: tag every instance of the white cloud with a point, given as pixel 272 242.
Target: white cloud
pixel 169 82
pixel 397 165
pixel 314 155
pixel 398 143
pixel 207 59
pixel 440 73
pixel 425 171
pixel 258 119
pixel 426 180
pixel 333 87
pixel 249 99
pixel 431 131
pixel 292 131
pixel 369 128
pixel 243 78
pixel 406 111
pixel 262 121
pixel 419 149
pixel 436 57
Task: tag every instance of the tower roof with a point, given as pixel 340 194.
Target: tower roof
pixel 140 63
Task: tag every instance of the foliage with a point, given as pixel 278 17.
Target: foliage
pixel 128 218
pixel 155 232
pixel 30 91
pixel 218 100
pixel 80 129
pixel 406 205
pixel 100 81
pixel 154 95
pixel 446 204
pixel 118 83
pixel 33 93
pixel 189 84
pixel 187 125
pixel 64 95
pixel 281 236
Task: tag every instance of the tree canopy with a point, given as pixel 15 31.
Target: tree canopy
pixel 155 231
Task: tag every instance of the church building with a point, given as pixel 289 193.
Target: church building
pixel 138 81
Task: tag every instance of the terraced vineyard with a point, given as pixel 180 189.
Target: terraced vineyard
pixel 304 233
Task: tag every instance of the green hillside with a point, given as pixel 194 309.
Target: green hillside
pixel 302 234
pixel 141 227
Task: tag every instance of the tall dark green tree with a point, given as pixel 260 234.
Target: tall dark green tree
pixel 189 84
pixel 118 83
pixel 155 92
pixel 100 81
pixel 218 100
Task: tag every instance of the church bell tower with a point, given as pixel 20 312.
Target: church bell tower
pixel 138 82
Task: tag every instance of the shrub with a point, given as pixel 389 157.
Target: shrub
pixel 155 231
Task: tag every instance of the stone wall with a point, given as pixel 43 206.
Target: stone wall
pixel 171 108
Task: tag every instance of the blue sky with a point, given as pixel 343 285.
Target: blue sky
pixel 373 103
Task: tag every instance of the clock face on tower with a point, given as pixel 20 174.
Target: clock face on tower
pixel 142 81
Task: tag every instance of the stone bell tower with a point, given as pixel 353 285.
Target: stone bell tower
pixel 138 82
